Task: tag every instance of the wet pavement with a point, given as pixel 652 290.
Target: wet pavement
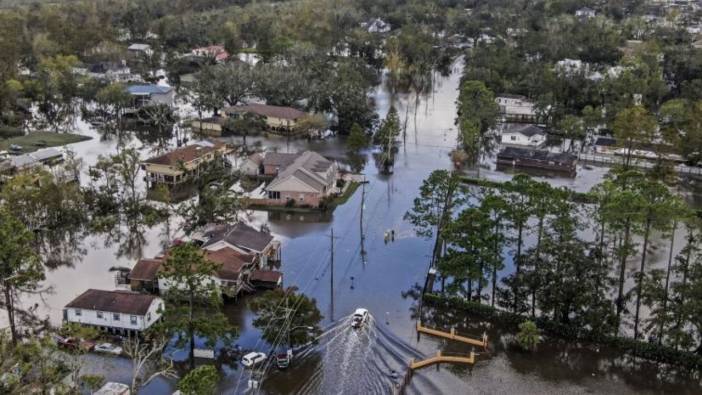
pixel 361 362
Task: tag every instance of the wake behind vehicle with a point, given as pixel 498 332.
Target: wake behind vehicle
pixel 359 318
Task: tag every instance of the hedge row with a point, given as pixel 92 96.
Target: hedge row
pixel 650 351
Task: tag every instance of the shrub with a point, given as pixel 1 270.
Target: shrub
pixel 528 336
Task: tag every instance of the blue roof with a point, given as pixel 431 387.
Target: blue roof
pixel 147 89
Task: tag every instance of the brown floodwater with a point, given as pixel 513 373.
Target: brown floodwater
pixel 362 362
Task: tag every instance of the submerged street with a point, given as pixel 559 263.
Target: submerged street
pixel 382 280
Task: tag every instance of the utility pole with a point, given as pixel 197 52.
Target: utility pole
pixel 331 284
pixel 363 236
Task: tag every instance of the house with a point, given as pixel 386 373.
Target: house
pixel 216 52
pixel 570 67
pixel 182 164
pixel 122 312
pixel 376 25
pixel 274 162
pixel 585 13
pixel 524 135
pixel 138 49
pixel 242 238
pixel 144 275
pixel 151 95
pixel 211 126
pixel 516 108
pixel 306 181
pixel 231 277
pixel 111 71
pixel 605 145
pixel 252 166
pixel 276 117
pixel 526 158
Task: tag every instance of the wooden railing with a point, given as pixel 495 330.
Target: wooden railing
pixel 441 358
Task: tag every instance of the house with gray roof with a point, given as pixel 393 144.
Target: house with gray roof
pixel 305 181
pixel 523 135
pixel 151 95
pixel 242 238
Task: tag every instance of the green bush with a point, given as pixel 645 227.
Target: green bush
pixel 7 132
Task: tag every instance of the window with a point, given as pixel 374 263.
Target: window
pixel 148 316
pixel 115 317
pixel 133 319
pixel 513 138
pixel 274 195
pixel 78 312
pixel 302 197
pixel 99 314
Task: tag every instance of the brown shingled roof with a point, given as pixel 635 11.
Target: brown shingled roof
pixel 145 270
pixel 231 262
pixel 124 302
pixel 184 154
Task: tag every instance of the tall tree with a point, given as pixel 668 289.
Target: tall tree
pixel 477 116
pixel 20 269
pixel 633 127
pixel 287 317
pixel 193 299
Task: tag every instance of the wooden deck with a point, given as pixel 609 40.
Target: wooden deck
pixel 453 336
pixel 441 358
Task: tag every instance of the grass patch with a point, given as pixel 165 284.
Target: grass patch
pixel 37 140
pixel 345 197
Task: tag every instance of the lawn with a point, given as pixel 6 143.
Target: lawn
pixel 36 140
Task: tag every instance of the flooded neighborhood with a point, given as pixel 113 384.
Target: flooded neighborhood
pixel 385 203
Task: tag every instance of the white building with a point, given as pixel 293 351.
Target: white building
pixel 151 95
pixel 569 67
pixel 516 108
pixel 140 49
pixel 523 135
pixel 114 311
pixel 585 13
pixel 113 388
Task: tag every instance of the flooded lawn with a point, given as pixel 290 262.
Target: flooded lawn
pixel 375 275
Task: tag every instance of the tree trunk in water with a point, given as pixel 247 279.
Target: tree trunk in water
pixel 518 259
pixel 480 283
pixel 641 273
pixel 191 333
pixel 688 256
pixel 10 307
pixel 667 281
pixel 536 265
pixel 624 243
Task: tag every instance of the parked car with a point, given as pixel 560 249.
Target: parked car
pixel 360 316
pixel 283 359
pixel 108 348
pixel 252 359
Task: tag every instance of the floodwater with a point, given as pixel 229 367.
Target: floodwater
pixel 378 276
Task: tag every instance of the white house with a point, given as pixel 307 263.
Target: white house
pixel 120 312
pixel 377 25
pixel 523 135
pixel 569 67
pixel 140 49
pixel 585 13
pixel 151 95
pixel 516 108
